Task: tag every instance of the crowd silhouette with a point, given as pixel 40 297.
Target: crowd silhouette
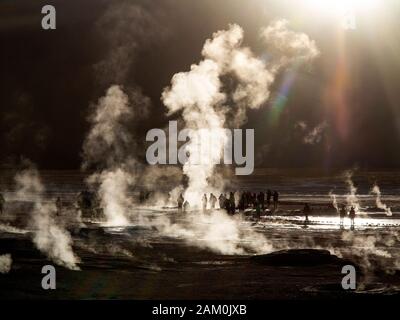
pixel 89 204
pixel 259 201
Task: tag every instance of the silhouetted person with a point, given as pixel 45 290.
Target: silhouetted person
pixel 232 203
pixel 261 199
pixel 213 200
pixel 226 203
pixel 253 199
pixel 352 215
pixel 306 212
pixel 141 196
pixel 148 194
pixel 275 197
pixel 181 200
pixel 258 209
pixel 186 206
pixel 242 202
pixel 58 206
pixel 2 203
pixel 245 200
pixel 204 202
pixel 269 195
pixel 221 201
pixel 342 214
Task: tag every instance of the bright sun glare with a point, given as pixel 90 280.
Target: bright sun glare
pixel 342 7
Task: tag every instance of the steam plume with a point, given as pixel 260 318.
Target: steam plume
pixel 113 188
pixel 126 28
pixel 5 263
pixel 215 93
pixel 315 135
pixel 351 197
pixel 216 231
pixel 49 236
pixel 199 93
pixel 108 141
pixel 108 145
pixel 376 190
pixel 289 46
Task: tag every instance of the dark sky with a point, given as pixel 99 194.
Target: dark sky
pixel 49 79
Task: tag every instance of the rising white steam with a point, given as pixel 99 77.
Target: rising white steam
pixel 108 141
pixel 113 187
pixel 5 263
pixel 207 102
pixel 108 146
pixel 316 134
pixel 371 252
pixel 379 204
pixel 214 94
pixel 126 28
pixel 50 237
pixel 215 231
pixel 174 194
pixel 334 200
pixel 289 46
pixel 351 198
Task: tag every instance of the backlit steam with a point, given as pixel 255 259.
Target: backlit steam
pixel 5 263
pixel 108 141
pixel 351 197
pixel 316 134
pixel 207 103
pixel 108 146
pixel 215 231
pixel 126 28
pixel 214 94
pixel 334 200
pixel 49 237
pixel 289 46
pixel 375 190
pixel 113 188
pixel 371 252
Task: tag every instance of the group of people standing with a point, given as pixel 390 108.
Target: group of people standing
pixel 261 200
pixel 258 201
pixel 225 202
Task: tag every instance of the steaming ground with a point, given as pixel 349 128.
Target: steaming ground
pixel 182 261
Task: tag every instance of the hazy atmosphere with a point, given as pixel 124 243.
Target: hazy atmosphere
pixel 175 149
pixel 50 80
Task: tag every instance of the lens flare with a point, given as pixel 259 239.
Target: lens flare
pixel 342 7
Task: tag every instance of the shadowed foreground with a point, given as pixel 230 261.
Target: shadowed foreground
pixel 165 270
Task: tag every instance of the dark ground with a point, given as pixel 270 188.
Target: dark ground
pixel 138 263
pixel 168 271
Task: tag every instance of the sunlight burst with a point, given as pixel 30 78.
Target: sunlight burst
pixel 343 7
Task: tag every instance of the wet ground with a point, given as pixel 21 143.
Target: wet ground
pixel 137 263
pixel 140 262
